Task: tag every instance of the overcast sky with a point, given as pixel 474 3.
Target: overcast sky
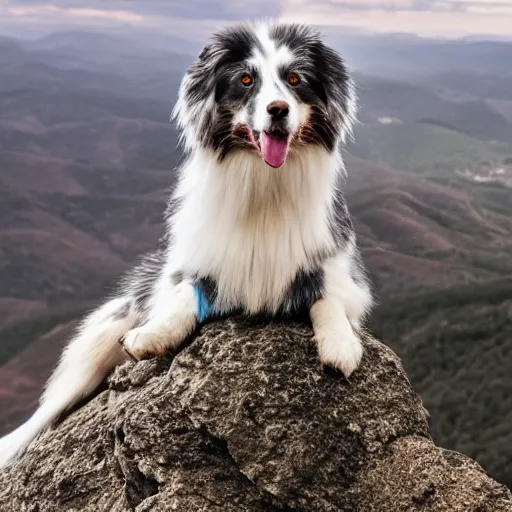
pixel 196 18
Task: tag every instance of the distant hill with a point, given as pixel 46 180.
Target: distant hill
pixel 410 104
pixel 418 235
pixel 123 68
pixel 410 57
pixel 424 147
pixel 93 42
pixel 23 376
pixel 479 85
pixel 86 158
pixel 134 54
pixel 456 346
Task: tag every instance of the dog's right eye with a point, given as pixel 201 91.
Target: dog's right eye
pixel 246 79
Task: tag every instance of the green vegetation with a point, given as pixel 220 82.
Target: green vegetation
pixel 456 348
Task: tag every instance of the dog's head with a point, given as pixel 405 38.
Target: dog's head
pixel 267 88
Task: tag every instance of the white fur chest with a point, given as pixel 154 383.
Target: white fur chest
pixel 251 227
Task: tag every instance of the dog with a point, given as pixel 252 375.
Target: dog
pixel 257 223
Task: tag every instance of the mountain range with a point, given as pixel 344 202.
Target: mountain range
pixel 87 156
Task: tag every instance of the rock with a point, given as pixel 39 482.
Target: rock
pixel 246 419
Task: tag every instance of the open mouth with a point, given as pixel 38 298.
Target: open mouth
pixel 273 145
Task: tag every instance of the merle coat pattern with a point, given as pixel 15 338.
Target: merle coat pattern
pixel 257 223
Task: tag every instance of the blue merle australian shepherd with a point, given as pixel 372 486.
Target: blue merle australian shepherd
pixel 257 222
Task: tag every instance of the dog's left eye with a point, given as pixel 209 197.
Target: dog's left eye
pixel 293 79
pixel 246 79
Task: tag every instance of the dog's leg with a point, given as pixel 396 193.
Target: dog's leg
pixel 337 317
pixel 338 345
pixel 172 318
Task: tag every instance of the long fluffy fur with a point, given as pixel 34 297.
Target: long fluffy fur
pixel 241 235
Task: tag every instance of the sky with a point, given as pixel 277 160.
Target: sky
pixel 195 19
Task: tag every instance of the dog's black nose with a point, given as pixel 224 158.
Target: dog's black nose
pixel 278 109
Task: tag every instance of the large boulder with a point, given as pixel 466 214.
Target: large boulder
pixel 246 419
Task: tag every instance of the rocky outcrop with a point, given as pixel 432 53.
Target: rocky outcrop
pixel 246 419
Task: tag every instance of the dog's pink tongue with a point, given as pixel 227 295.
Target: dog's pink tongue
pixel 274 150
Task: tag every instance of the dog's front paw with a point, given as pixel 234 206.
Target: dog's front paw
pixel 143 343
pixel 339 348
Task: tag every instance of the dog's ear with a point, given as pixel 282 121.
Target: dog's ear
pixel 331 73
pixel 195 106
pixel 199 81
pixel 333 84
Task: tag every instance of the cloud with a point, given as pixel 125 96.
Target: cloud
pixel 192 18
pixel 178 9
pixel 54 11
pixel 425 17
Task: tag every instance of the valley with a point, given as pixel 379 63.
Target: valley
pixel 87 159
